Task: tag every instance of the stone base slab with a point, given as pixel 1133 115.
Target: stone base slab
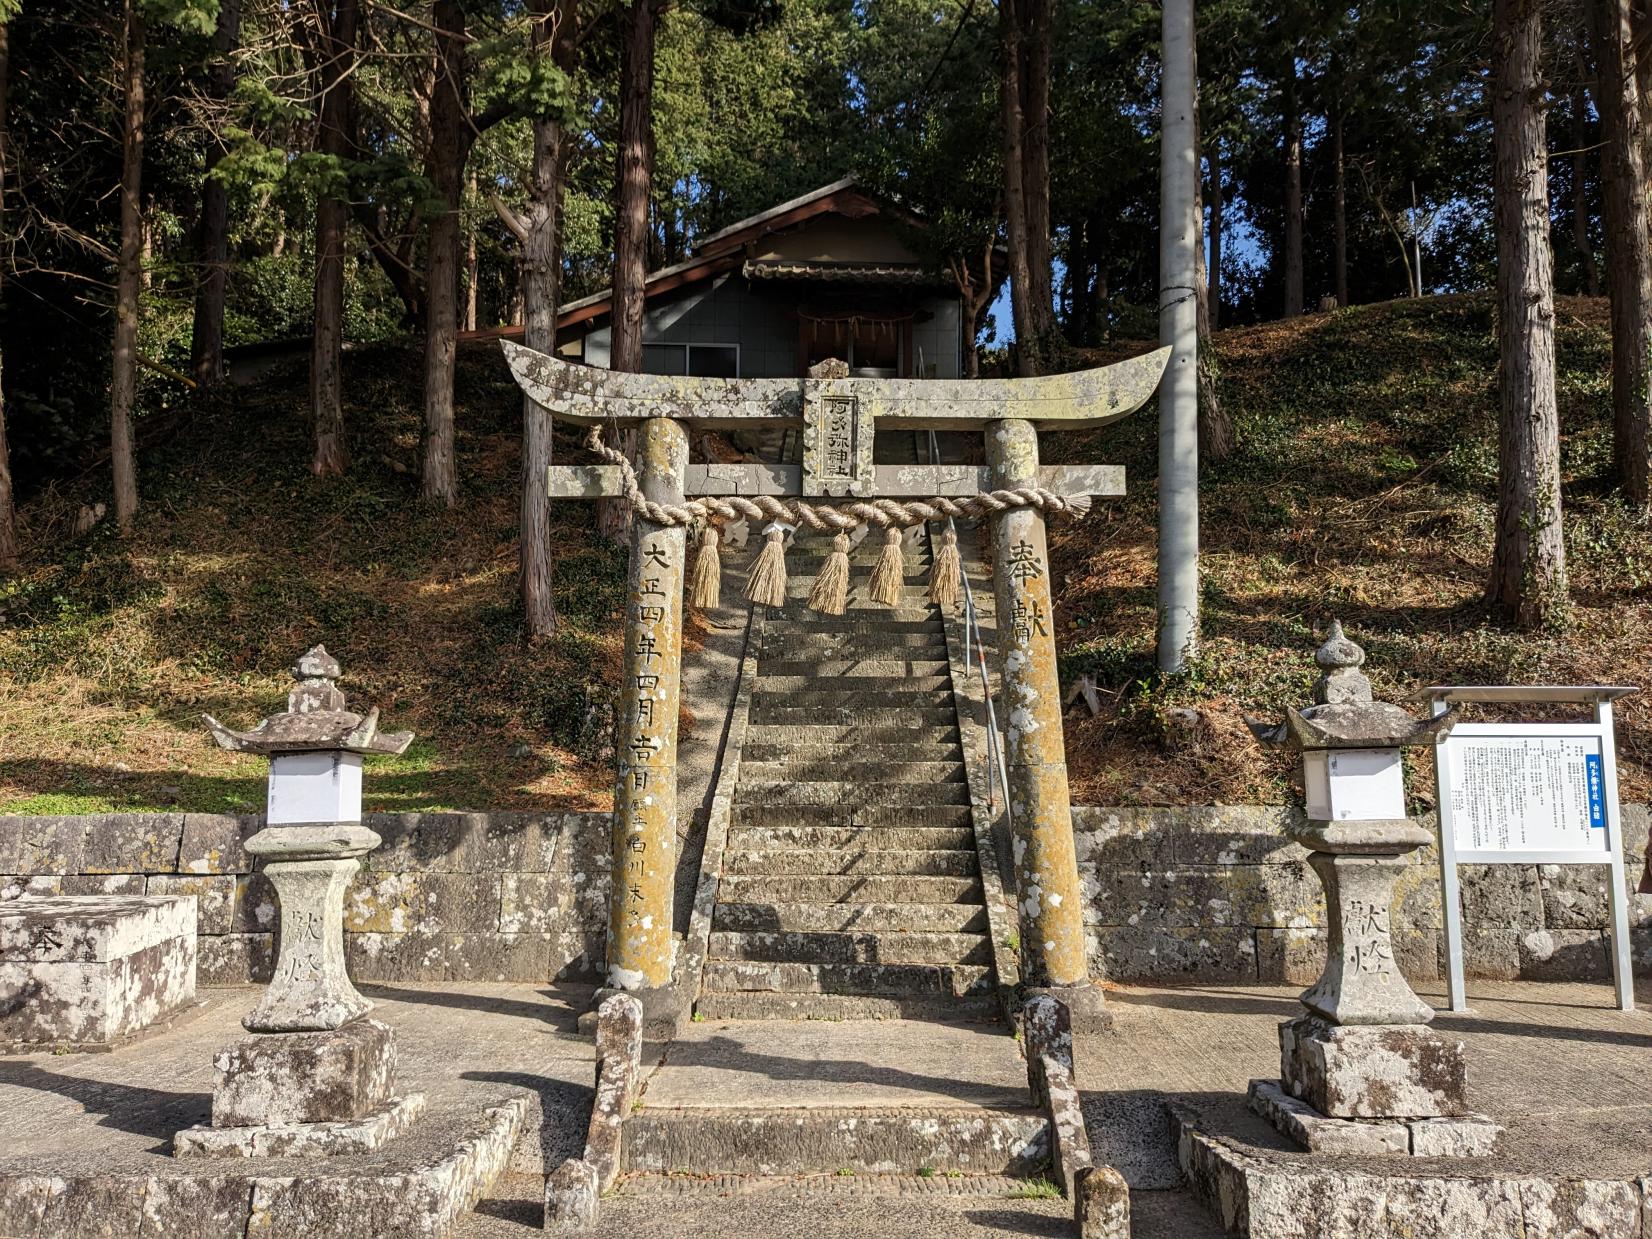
pixel 174 1019
pixel 279 1079
pixel 1263 1197
pixel 1470 1135
pixel 1373 1071
pixel 93 969
pixel 427 1198
pixel 302 1139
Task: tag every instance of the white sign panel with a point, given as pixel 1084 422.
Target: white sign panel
pixel 1528 793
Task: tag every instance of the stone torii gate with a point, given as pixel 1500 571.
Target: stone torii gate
pixel 839 417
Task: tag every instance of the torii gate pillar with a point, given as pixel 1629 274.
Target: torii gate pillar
pixel 645 799
pixel 1049 898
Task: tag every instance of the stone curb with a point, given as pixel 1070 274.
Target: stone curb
pixel 692 963
pixel 573 1189
pixel 970 705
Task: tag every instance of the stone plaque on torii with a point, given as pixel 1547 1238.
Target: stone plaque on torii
pixel 838 487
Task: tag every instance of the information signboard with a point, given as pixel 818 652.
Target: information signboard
pixel 1530 794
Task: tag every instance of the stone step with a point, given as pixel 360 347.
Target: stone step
pixel 853 948
pixel 876 716
pixel 701 1190
pixel 794 647
pixel 893 696
pixel 770 682
pixel 866 648
pixel 957 863
pixel 858 794
pixel 815 668
pixel 887 980
pixel 869 917
pixel 846 888
pixel 851 815
pixel 794 769
pixel 852 753
pixel 726 1140
pixel 848 733
pixel 807 560
pixel 913 596
pixel 755 1005
pixel 907 838
pixel 894 625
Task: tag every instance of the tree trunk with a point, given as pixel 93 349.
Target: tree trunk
pixel 1035 179
pixel 1528 576
pixel 1215 427
pixel 1213 277
pixel 1180 230
pixel 470 263
pixel 206 349
pixel 1293 198
pixel 634 181
pixel 1017 224
pixel 450 141
pixel 337 50
pixel 1339 206
pixel 8 500
pixel 1580 170
pixel 1628 260
pixel 129 272
pixel 553 34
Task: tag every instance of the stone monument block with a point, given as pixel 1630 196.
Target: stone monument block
pixel 92 969
pixel 269 1079
pixel 1366 1071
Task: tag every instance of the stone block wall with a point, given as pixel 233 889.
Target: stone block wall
pixel 449 896
pixel 1220 894
pixel 1195 894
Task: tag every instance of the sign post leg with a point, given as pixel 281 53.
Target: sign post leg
pixel 1451 895
pixel 645 799
pixel 1048 894
pixel 1623 972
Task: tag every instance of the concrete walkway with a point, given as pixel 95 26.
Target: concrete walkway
pixel 1554 1062
pixel 464 1046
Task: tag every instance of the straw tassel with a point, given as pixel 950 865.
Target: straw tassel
pixel 706 586
pixel 766 585
pixel 830 593
pixel 890 574
pixel 943 573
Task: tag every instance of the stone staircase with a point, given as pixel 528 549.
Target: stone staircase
pixel 851 885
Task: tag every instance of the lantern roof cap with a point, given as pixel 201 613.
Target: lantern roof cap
pixel 315 720
pixel 1344 714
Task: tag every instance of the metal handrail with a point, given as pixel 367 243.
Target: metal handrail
pixel 997 770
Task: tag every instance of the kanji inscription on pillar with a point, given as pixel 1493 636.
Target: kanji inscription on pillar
pixel 645 797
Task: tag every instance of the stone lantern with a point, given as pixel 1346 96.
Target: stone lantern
pixel 316 1076
pixel 1361 1071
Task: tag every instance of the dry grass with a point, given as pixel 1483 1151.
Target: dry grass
pixel 1363 487
pixel 110 651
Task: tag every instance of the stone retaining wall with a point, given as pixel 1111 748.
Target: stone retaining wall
pixel 1209 894
pixel 1221 894
pixel 449 896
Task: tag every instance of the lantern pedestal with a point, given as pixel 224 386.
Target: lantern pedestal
pixel 316 1077
pixel 1362 1072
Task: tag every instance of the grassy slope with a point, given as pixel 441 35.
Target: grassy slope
pixel 1364 486
pixel 240 560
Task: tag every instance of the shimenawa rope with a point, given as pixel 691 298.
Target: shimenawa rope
pixel 766 583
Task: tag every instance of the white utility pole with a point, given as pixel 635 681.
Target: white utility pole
pixel 1180 234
